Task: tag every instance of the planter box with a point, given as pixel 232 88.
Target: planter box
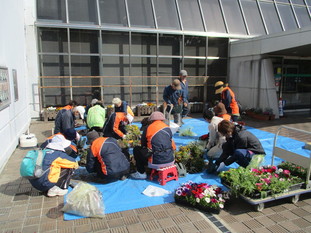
pixel 202 208
pixel 49 114
pixel 262 117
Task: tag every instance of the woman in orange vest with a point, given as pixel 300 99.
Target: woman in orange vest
pixel 157 147
pixel 221 111
pixel 228 99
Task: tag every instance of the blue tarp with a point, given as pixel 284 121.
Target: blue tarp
pixel 127 194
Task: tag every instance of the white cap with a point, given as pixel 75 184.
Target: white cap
pixel 116 101
pixel 58 142
pixel 81 111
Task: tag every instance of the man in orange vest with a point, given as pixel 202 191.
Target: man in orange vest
pixel 65 118
pixel 228 99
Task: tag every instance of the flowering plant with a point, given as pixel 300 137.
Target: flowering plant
pixel 294 169
pixel 132 138
pixel 201 195
pixel 263 180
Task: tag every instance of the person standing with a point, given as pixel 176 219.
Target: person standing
pixel 157 146
pixel 65 118
pixel 184 86
pixel 240 146
pixel 106 158
pixel 227 97
pixel 96 117
pixel 173 98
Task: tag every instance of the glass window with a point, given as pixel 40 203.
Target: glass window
pixel 195 46
pixel 217 67
pixel 166 14
pixel 301 2
pixel 218 47
pixel 190 15
pixel 285 1
pixel 213 17
pixel 82 11
pixel 170 45
pixel 115 42
pixel 84 66
pixel 55 96
pixel 303 16
pixel 253 18
pixel 144 44
pixel 168 67
pixel 308 2
pixel 54 65
pixel 140 13
pixel 52 40
pixel 287 17
pixel 84 41
pixel 271 18
pixel 112 12
pixel 51 10
pixel 233 17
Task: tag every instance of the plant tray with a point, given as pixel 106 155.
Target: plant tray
pixel 202 208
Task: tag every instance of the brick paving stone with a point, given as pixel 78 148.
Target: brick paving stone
pixel 180 219
pixel 261 230
pixel 16 216
pixel 302 223
pixel 202 224
pixel 113 216
pixel 14 230
pixel 307 208
pixel 33 213
pixel 300 212
pixel 174 211
pixel 130 220
pixel 187 228
pixel 3 218
pixel 211 230
pixel 127 213
pixel 4 210
pixel 155 208
pixel 194 216
pixel 172 229
pixel 115 222
pixel 119 230
pixel 151 225
pixel 238 227
pixel 290 226
pixel 166 222
pixel 35 206
pixel 47 226
pixel 135 228
pixel 160 214
pixel 278 208
pixel 30 229
pixel 145 217
pixel 142 210
pixel 82 221
pixel 289 206
pixel 308 218
pixel 228 219
pixel 61 224
pixel 187 210
pixel 277 229
pixel 288 214
pixel 83 228
pixel 266 220
pixel 66 230
pixel 253 224
pixel 277 218
pixel 301 204
pixel 255 214
pixel 267 211
pixel 97 226
pixel 243 217
pixel 32 221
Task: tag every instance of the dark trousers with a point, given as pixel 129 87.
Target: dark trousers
pixel 141 156
pixel 64 178
pixel 185 111
pixel 242 157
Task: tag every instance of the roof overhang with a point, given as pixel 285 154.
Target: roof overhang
pixel 293 43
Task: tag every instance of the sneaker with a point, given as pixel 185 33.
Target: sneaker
pixel 57 191
pixel 139 176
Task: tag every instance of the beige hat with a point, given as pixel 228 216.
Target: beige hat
pixel 219 87
pixel 157 116
pixel 176 84
pixel 91 136
pixel 116 101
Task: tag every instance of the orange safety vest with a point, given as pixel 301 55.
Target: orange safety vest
pixel 233 105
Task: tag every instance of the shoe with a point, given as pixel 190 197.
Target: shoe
pixel 57 191
pixel 139 176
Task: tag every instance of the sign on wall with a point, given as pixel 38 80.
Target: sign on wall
pixel 5 99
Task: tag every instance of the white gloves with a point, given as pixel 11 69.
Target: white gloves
pixel 220 167
pixel 124 136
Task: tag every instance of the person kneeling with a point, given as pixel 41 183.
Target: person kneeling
pixel 105 157
pixel 59 167
pixel 157 146
pixel 240 146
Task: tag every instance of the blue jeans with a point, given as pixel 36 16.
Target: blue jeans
pixel 242 157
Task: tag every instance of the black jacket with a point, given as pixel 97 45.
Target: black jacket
pixel 241 139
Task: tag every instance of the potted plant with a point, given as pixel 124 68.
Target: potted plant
pixel 202 196
pixel 259 182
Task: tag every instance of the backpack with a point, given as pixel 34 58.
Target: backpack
pixel 31 165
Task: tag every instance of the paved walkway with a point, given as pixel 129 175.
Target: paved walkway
pixel 24 209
